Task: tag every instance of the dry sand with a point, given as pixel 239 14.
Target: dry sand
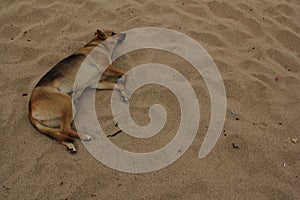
pixel 252 43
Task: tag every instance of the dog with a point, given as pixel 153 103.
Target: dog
pixel 51 109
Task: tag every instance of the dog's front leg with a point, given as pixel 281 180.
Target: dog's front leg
pixel 105 85
pixel 112 70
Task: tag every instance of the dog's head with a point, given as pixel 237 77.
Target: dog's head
pixel 111 39
pixel 102 35
pixel 104 44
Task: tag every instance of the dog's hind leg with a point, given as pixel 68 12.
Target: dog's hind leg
pixel 69 131
pixel 66 121
pixel 54 133
pixel 51 113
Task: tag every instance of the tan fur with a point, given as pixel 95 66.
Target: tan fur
pixel 50 107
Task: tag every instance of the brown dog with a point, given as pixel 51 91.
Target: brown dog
pixel 51 108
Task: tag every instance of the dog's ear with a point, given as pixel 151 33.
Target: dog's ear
pixel 100 35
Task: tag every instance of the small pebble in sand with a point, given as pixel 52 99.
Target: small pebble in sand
pixel 277 78
pixel 234 113
pixel 234 145
pixel 6 187
pixel 294 140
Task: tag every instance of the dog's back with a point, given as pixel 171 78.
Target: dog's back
pixel 63 74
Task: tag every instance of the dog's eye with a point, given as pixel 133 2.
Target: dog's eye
pixel 113 33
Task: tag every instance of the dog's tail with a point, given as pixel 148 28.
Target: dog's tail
pixel 51 132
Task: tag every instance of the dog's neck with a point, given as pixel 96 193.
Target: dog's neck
pixel 94 42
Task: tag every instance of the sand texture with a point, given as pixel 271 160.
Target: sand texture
pixel 256 46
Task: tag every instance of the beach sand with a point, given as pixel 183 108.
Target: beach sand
pixel 256 47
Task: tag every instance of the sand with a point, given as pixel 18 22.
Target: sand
pixel 256 46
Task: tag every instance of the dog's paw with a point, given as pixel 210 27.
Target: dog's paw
pixel 124 95
pixel 85 137
pixel 122 80
pixel 71 148
pixel 124 99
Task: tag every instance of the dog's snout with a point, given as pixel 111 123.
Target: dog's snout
pixel 121 37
